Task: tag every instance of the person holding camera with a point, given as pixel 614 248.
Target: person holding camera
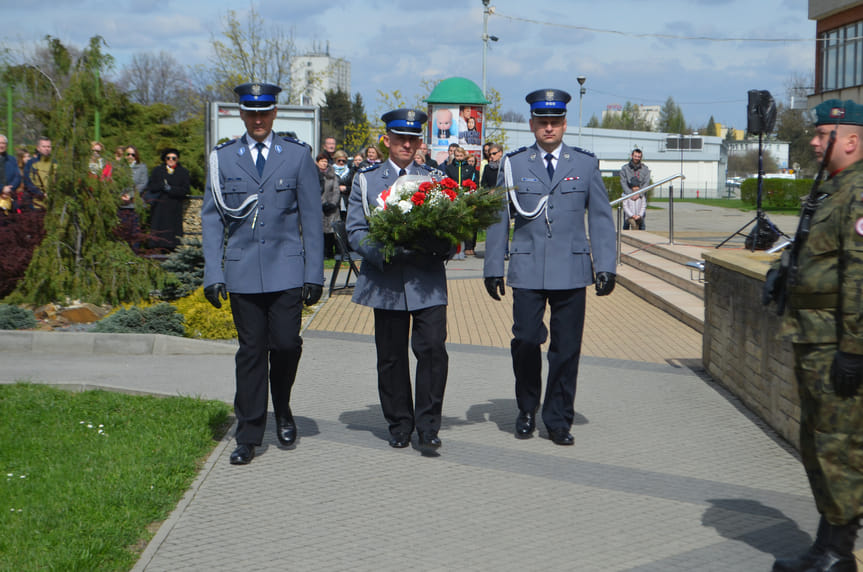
pixel 634 176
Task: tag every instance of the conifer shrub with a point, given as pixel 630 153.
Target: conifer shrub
pixel 203 321
pixel 160 318
pixel 16 318
pixel 186 268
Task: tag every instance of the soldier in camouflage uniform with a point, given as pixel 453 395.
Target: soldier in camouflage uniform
pixel 825 326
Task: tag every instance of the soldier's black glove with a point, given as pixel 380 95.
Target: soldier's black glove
pixel 604 283
pixel 769 292
pixel 213 292
pixel 846 372
pixel 312 293
pixel 494 284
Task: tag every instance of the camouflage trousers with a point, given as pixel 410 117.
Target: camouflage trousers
pixel 831 436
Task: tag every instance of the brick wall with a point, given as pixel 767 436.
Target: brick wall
pixel 741 349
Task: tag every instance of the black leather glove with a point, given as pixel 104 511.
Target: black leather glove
pixel 769 291
pixel 312 293
pixel 846 372
pixel 604 283
pixel 213 292
pixel 493 285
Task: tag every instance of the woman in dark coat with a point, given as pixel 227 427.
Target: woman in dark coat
pixel 165 193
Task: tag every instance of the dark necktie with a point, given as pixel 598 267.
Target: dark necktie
pixel 550 166
pixel 402 173
pixel 259 163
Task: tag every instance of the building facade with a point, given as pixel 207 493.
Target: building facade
pixel 315 73
pixel 838 50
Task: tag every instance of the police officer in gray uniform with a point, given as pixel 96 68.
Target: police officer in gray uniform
pixel 410 287
pixel 551 187
pixel 263 192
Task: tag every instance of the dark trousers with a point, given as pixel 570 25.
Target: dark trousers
pixel 428 342
pixel 529 333
pixel 268 328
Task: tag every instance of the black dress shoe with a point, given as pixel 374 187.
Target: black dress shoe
pixel 560 437
pixel 429 440
pixel 286 429
pixel 525 423
pixel 400 440
pixel 243 454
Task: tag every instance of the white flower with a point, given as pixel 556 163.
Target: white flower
pixel 405 206
pixel 89 425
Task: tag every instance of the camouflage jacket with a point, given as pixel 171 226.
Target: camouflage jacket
pixel 826 303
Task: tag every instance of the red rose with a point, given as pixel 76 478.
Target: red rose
pixel 418 198
pixel 450 193
pixel 448 183
pixel 469 185
pixel 426 186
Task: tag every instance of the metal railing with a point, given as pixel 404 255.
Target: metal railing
pixel 619 204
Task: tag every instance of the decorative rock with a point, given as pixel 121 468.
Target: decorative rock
pixel 83 313
pixel 46 312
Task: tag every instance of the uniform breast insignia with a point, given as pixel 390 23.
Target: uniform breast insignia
pixel 225 144
pixel 571 178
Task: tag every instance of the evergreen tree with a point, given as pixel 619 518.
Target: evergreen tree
pixel 671 118
pixel 80 257
pixel 712 128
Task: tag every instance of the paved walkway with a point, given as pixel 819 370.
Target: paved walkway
pixel 669 472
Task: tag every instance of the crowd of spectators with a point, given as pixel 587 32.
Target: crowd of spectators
pixel 27 179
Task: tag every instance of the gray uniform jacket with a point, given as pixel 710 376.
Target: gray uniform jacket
pixel 410 286
pixel 280 244
pixel 551 251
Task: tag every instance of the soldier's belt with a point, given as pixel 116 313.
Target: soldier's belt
pixel 814 301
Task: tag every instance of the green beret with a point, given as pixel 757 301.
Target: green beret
pixel 838 112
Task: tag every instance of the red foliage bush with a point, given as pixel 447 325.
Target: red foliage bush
pixel 20 234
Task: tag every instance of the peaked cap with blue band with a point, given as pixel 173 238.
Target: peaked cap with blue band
pixel 548 102
pixel 405 121
pixel 838 112
pixel 257 96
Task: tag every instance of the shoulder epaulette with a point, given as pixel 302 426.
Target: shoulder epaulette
pixel 371 167
pixel 225 144
pixel 295 141
pixel 519 150
pixel 585 151
pixel 432 171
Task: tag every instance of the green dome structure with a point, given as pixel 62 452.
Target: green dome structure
pixel 457 90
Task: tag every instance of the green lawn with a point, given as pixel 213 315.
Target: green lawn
pixel 86 475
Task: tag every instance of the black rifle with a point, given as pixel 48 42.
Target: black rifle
pixel 780 280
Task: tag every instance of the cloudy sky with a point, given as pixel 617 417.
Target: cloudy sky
pixel 706 54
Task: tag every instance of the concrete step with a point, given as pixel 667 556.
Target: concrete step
pixel 686 307
pixel 687 278
pixel 664 275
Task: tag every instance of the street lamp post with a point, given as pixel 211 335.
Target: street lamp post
pixel 580 79
pixel 485 39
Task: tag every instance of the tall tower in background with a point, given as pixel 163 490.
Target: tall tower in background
pixel 316 72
